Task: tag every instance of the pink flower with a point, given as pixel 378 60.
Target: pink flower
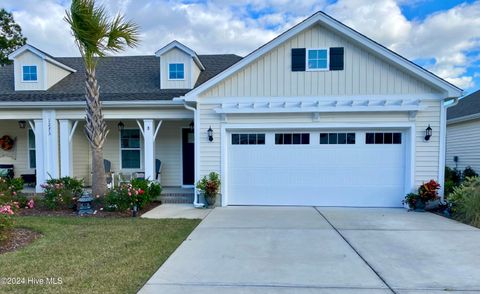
pixel 31 204
pixel 129 194
pixel 14 193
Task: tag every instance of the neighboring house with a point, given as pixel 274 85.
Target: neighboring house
pixel 321 115
pixel 463 133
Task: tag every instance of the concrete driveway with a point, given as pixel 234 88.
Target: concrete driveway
pixel 322 250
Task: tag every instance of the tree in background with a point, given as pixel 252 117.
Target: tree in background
pixel 11 37
pixel 95 35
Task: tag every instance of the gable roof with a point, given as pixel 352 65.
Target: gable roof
pixel 180 46
pixel 43 55
pixel 467 108
pixel 121 78
pixel 324 19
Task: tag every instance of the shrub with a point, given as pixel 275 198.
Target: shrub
pixel 10 191
pixel 426 192
pixel 138 192
pixel 62 193
pixel 211 185
pixel 6 221
pixel 465 202
pixel 469 172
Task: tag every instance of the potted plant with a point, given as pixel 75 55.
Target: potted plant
pixel 210 186
pixel 426 193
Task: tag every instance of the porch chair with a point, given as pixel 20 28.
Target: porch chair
pixel 158 170
pixel 109 174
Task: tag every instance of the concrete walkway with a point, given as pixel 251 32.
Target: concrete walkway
pixel 322 250
pixel 177 211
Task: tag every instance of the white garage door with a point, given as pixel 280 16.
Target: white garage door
pixel 324 168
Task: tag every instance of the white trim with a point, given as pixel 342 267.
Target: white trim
pixel 40 54
pixel 72 132
pixel 463 118
pixel 443 145
pixel 324 19
pixel 157 129
pixel 408 128
pixel 39 154
pixel 183 185
pixel 180 46
pixel 307 68
pixel 105 104
pixel 168 71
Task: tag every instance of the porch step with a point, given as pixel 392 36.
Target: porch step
pixel 176 197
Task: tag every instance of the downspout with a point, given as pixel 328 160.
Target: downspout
pixel 443 142
pixel 196 133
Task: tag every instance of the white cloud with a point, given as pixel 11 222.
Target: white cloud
pixel 229 26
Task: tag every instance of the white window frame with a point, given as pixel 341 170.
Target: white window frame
pixel 307 68
pixel 184 71
pixel 24 81
pixel 29 148
pixel 139 148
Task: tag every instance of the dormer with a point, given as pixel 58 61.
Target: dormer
pixel 179 66
pixel 35 70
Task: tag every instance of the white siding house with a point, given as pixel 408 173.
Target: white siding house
pixel 320 115
pixel 463 133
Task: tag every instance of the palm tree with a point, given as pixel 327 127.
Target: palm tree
pixel 95 35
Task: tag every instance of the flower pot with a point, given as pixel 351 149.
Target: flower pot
pixel 210 199
pixel 420 206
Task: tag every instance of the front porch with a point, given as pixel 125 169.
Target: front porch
pixel 52 144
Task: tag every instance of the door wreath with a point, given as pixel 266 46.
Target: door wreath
pixel 6 143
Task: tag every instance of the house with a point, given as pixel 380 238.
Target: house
pixel 463 133
pixel 320 115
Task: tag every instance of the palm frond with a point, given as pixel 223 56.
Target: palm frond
pixel 122 33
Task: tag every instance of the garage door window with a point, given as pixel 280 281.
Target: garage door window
pixel 248 139
pixel 337 138
pixel 289 139
pixel 383 138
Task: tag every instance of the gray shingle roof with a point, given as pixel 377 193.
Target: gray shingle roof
pixel 121 78
pixel 468 105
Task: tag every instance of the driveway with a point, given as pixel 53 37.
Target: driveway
pixel 322 250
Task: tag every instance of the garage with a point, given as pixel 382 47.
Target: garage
pixel 337 167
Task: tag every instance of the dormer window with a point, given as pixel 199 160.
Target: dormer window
pixel 29 73
pixel 176 71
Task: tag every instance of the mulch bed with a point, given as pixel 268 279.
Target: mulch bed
pixel 68 212
pixel 19 238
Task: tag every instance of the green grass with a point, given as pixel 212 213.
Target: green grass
pixel 93 255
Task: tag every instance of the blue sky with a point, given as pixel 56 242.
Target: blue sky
pixel 441 35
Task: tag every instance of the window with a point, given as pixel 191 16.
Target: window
pixel 31 149
pixel 337 138
pixel 29 73
pixel 317 59
pixel 295 139
pixel 176 71
pixel 130 148
pixel 383 138
pixel 248 139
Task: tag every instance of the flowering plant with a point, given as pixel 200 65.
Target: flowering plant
pixel 426 192
pixel 6 220
pixel 62 193
pixel 138 192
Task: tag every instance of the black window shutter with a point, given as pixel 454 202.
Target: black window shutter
pixel 336 58
pixel 298 59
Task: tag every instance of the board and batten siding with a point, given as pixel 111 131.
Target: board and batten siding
pixel 463 140
pixel 364 74
pixel 426 157
pixel 28 58
pixel 191 70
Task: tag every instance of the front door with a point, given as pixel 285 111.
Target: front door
pixel 188 154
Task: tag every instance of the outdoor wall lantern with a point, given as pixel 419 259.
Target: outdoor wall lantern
pixel 428 133
pixel 22 124
pixel 191 125
pixel 121 126
pixel 210 134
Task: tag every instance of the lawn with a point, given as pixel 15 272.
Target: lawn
pixel 93 255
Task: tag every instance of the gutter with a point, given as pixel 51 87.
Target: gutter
pixel 106 104
pixel 196 200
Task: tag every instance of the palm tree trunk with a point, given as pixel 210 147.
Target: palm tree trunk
pixel 96 132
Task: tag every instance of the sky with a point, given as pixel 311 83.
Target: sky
pixel 440 35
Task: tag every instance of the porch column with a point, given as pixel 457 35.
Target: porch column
pixel 50 144
pixel 149 148
pixel 67 129
pixel 39 153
